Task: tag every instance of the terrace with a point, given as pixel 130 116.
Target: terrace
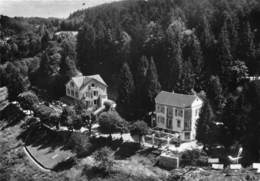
pixel 161 137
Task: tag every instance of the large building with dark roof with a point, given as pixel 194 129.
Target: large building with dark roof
pixel 178 113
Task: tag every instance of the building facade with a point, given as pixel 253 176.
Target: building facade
pixel 90 89
pixel 178 113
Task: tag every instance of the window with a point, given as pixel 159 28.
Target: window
pixel 160 120
pixel 92 85
pixel 178 112
pixel 71 84
pixel 169 123
pixel 95 93
pixel 187 135
pixel 169 111
pixel 95 102
pixel 160 109
pixel 68 91
pixel 187 124
pixel 77 94
pixel 178 123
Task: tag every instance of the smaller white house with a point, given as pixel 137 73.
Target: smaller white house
pixel 91 89
pixel 178 113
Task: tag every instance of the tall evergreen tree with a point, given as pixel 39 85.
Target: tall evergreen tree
pixel 247 49
pixel 204 127
pixel 140 80
pixel 175 66
pixel 192 51
pixel 45 38
pixel 45 69
pixel 15 82
pixel 126 91
pixel 232 26
pixel 85 48
pixel 186 82
pixel 225 58
pixel 152 85
pixel 216 94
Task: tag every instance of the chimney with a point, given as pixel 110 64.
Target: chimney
pixel 193 92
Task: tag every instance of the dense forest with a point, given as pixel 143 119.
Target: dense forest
pixel 204 47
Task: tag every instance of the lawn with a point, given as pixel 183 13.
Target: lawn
pixel 49 158
pixel 14 163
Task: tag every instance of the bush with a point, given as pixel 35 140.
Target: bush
pixel 81 144
pixel 194 158
pixel 139 128
pixel 28 100
pixel 111 122
pixel 104 159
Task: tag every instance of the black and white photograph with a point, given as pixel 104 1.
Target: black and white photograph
pixel 129 90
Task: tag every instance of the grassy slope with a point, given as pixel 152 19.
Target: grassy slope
pixel 19 164
pixel 137 166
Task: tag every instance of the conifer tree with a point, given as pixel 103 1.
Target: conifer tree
pixel 175 67
pixel 126 91
pixel 85 48
pixel 247 47
pixel 186 82
pixel 152 85
pixel 45 38
pixel 15 82
pixel 44 69
pixel 206 36
pixel 215 93
pixel 67 66
pixel 232 26
pixel 140 80
pixel 224 58
pixel 205 124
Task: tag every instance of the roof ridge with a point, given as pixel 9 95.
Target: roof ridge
pixel 175 99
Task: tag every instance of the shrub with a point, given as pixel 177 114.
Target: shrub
pixel 104 159
pixel 193 158
pixel 139 128
pixel 28 100
pixel 80 143
pixel 111 122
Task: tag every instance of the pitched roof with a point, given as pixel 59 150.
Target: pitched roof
pixel 176 100
pixel 81 81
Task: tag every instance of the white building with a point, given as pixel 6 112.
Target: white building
pixel 178 113
pixel 91 89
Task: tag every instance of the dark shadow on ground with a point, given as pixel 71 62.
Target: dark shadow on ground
pixel 148 151
pixel 39 136
pixel 11 115
pixel 65 165
pixel 126 150
pixel 94 173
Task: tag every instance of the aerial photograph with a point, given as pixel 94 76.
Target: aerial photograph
pixel 129 90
